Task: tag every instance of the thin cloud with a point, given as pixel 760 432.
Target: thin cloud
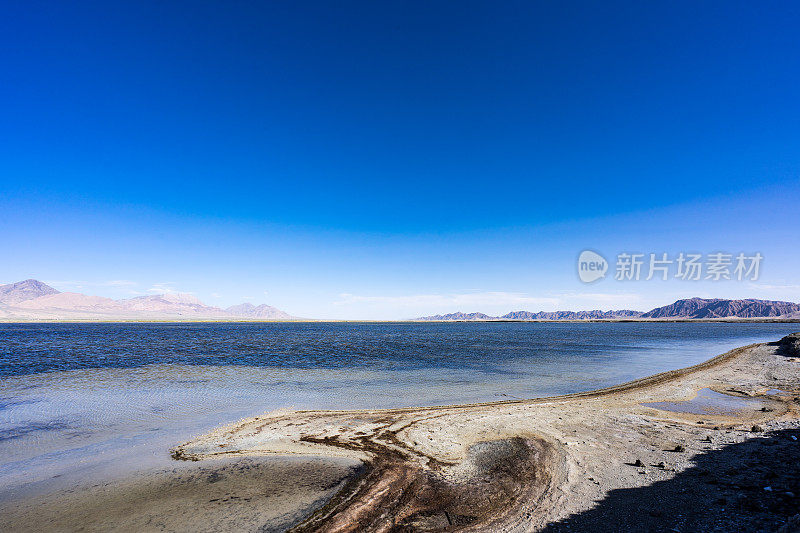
pixel 81 284
pixel 603 299
pixel 165 288
pixel 472 299
pixel 119 283
pixel 774 287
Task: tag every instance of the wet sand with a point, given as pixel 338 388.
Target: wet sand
pixel 247 494
pixel 580 462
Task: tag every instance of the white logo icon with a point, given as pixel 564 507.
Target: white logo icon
pixel 591 266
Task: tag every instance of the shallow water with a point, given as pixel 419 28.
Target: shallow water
pixel 709 402
pixel 86 401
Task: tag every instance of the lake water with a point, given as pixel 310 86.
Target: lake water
pixel 88 401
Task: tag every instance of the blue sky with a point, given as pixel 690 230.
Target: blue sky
pixel 388 160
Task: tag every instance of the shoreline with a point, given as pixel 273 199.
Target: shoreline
pixel 544 463
pixel 464 451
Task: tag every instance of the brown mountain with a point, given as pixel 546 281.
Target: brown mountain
pixel 719 308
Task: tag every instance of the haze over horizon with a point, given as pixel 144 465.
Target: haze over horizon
pixel 354 161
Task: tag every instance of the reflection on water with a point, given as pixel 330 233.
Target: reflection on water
pixel 86 401
pixel 709 402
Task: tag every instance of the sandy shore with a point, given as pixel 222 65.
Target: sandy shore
pixel 650 455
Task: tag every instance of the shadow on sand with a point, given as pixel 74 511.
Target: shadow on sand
pixel 750 486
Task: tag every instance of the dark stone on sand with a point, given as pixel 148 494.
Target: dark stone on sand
pixel 679 448
pixel 757 429
pixel 790 345
pixel 638 462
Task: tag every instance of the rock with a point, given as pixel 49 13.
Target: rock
pixel 679 448
pixel 708 438
pixel 757 429
pixel 638 462
pixel 790 345
pixel 662 465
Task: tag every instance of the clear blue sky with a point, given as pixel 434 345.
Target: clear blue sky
pixel 392 159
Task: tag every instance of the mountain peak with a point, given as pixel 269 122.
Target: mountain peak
pixel 263 311
pixel 689 308
pixel 33 300
pixel 721 308
pixel 28 289
pixel 181 298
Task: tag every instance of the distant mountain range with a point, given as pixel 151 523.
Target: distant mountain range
pixel 692 308
pixel 33 300
pixel 719 308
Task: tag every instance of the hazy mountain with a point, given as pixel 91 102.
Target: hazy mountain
pixel 459 316
pixel 14 293
pixel 693 308
pixel 263 311
pixel 539 315
pixel 571 315
pixel 172 305
pixel 33 300
pixel 719 308
pixel 71 301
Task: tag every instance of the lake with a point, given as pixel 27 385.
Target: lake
pixel 88 401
